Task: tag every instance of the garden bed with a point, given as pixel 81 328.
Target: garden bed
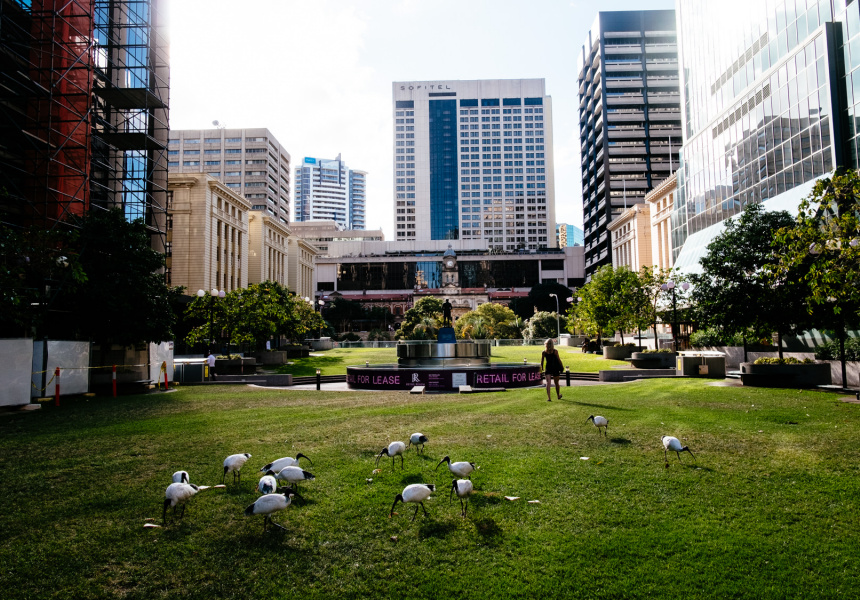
pixel 786 376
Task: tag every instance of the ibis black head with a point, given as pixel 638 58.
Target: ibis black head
pixel 397 498
pixel 591 418
pixel 686 449
pixel 308 475
pixel 447 459
pixel 184 477
pixel 194 486
pixel 423 439
pixel 384 452
pixel 271 472
pixel 454 489
pixel 300 455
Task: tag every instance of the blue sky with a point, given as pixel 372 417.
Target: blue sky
pixel 318 73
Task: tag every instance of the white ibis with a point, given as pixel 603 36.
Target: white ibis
pixel 672 443
pixel 460 469
pixel 268 504
pixel 176 494
pixel 463 488
pixel 418 438
pixel 268 485
pixel 287 461
pixel 599 422
pixel 292 475
pixel 233 464
pixel 416 493
pixel 393 449
pixel 180 477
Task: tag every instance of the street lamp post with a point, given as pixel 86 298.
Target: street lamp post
pixel 215 293
pixel 321 303
pixel 670 285
pixel 557 325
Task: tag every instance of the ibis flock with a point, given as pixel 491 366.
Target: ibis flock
pixel 280 480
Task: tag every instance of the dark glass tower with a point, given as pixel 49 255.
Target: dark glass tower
pixel 629 118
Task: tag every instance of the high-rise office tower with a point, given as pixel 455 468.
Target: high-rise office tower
pixel 764 115
pixel 328 189
pixel 249 161
pixel 629 118
pixel 568 235
pixel 473 160
pixel 85 105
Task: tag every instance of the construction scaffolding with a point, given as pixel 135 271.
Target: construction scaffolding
pixel 84 95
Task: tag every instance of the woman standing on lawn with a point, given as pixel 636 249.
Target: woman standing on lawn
pixel 553 368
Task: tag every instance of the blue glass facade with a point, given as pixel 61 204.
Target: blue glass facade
pixel 768 103
pixel 444 204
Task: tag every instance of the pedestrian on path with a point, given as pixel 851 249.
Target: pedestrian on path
pixel 553 369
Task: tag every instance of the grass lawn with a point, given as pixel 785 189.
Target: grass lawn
pixel 768 510
pixel 335 362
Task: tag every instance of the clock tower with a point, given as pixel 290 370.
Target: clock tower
pixel 450 274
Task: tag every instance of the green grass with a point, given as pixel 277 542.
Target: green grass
pixel 335 362
pixel 768 510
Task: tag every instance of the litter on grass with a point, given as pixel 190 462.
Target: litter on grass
pixel 534 501
pixel 584 457
pixel 150 525
pixel 512 498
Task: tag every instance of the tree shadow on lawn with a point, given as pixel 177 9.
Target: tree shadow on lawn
pixel 414 478
pixel 303 367
pixel 619 440
pixel 435 529
pixel 601 406
pixel 489 530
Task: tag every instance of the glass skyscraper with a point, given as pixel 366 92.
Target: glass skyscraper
pixel 473 161
pixel 768 101
pixel 629 118
pixel 328 189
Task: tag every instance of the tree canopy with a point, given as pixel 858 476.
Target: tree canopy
pixel 489 321
pixel 735 291
pixel 425 314
pixel 611 302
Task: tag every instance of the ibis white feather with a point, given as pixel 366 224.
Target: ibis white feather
pixel 180 477
pixel 292 475
pixel 177 494
pixel 417 439
pixel 287 461
pixel 267 505
pixel 393 449
pixel 267 485
pixel 463 488
pixel 599 422
pixel 674 444
pixel 415 493
pixel 233 464
pixel 460 469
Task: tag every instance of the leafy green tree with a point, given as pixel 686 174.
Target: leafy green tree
pixel 543 324
pixel 427 307
pixel 342 312
pixel 539 296
pixel 735 291
pixel 36 267
pixel 253 315
pixel 125 299
pixel 654 298
pixel 611 301
pixel 489 321
pixel 822 251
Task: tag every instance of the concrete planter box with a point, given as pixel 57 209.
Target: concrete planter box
pixel 275 357
pixel 235 366
pixel 786 376
pixel 653 360
pixel 619 352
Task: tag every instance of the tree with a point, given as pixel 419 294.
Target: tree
pixel 425 308
pixel 125 299
pixel 489 321
pixel 539 297
pixel 253 315
pixel 543 324
pixel 822 250
pixel 651 280
pixel 735 291
pixel 610 302
pixel 341 312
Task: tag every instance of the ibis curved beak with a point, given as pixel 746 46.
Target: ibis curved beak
pixel 591 418
pixel 300 455
pixel 691 454
pixel 397 498
pixel 378 456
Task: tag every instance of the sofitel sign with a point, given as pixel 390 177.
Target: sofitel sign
pixel 426 87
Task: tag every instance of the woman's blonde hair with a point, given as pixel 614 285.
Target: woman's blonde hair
pixel 548 344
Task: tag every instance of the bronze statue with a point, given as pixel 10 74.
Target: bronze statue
pixel 446 314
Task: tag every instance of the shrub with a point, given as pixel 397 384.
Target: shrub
pixel 830 350
pixel 660 351
pixel 768 360
pixel 627 345
pixel 349 337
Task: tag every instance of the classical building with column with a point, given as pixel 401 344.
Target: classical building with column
pixel 631 238
pixel 661 200
pixel 268 249
pixel 300 277
pixel 207 236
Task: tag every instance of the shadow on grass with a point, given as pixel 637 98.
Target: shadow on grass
pixel 618 440
pixel 412 478
pixel 303 367
pixel 435 529
pixel 489 530
pixel 602 406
